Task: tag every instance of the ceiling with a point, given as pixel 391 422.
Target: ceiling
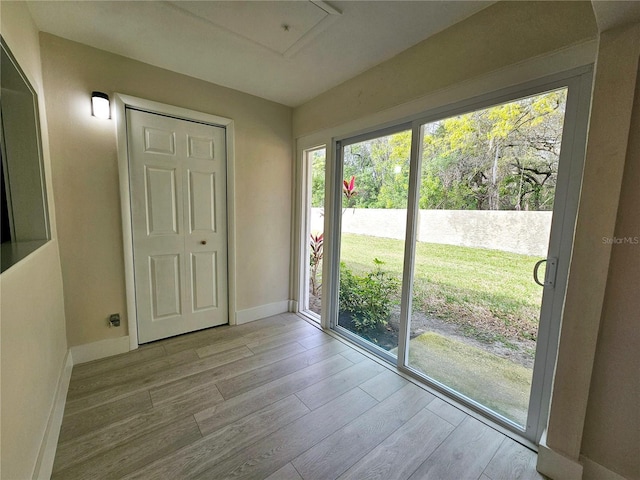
pixel 285 51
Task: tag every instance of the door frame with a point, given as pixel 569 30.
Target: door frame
pixel 122 102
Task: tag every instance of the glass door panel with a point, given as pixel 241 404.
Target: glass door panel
pixel 486 195
pixel 374 215
pixel 315 168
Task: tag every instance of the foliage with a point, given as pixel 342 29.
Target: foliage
pixel 368 298
pixel 316 245
pixel 382 168
pixel 318 163
pixel 499 158
pixel 349 188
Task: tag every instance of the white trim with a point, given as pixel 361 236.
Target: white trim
pixel 554 464
pixel 594 471
pixel 263 311
pixel 100 349
pixel 121 102
pixel 46 456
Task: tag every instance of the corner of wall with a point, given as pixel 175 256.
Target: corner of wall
pixel 595 471
pixel 555 465
pixel 263 311
pixel 100 349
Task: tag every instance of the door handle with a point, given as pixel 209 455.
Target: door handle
pixel 550 273
pixel 203 242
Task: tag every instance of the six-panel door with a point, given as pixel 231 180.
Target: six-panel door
pixel 178 206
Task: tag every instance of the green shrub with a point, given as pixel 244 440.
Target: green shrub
pixel 369 298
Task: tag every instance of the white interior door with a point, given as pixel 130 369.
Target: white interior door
pixel 177 174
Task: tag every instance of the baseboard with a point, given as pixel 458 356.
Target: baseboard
pixel 293 306
pixel 263 311
pixel 555 465
pixel 595 471
pixel 44 464
pixel 100 349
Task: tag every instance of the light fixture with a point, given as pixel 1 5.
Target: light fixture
pixel 100 107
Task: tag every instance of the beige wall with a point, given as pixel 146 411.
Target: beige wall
pixel 501 35
pixel 612 426
pixel 85 180
pixel 32 321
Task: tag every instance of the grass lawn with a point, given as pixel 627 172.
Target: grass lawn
pixel 491 293
pixel 499 384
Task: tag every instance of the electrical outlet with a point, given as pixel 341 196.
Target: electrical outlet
pixel 114 320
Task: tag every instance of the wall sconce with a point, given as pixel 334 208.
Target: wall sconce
pixel 100 107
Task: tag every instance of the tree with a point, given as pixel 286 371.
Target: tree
pixel 499 158
pixel 318 165
pixel 381 166
pixel 503 157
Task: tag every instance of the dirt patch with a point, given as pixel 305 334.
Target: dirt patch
pixel 315 302
pixel 513 348
pixel 518 351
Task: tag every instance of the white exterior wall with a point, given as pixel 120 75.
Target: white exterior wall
pixel 511 231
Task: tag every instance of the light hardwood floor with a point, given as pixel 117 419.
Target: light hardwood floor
pixel 277 399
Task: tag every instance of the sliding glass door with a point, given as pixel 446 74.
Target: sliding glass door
pixel 452 241
pixel 486 195
pixel 374 197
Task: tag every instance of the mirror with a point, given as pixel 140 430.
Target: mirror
pixel 24 218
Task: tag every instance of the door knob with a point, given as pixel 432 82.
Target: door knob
pixel 203 242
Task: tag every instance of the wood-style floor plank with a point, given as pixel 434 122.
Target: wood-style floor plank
pixel 332 387
pixel 259 376
pixel 177 385
pixel 226 412
pixel 354 356
pixel 222 333
pixel 178 374
pixel 299 335
pixel 77 424
pixel 335 454
pixel 447 411
pixel 103 439
pixel 288 472
pixel 128 374
pixel 276 398
pixel 400 454
pixel 383 385
pixel 128 457
pixel 205 453
pixel 512 461
pixel 276 450
pixel 464 454
pixel 117 362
